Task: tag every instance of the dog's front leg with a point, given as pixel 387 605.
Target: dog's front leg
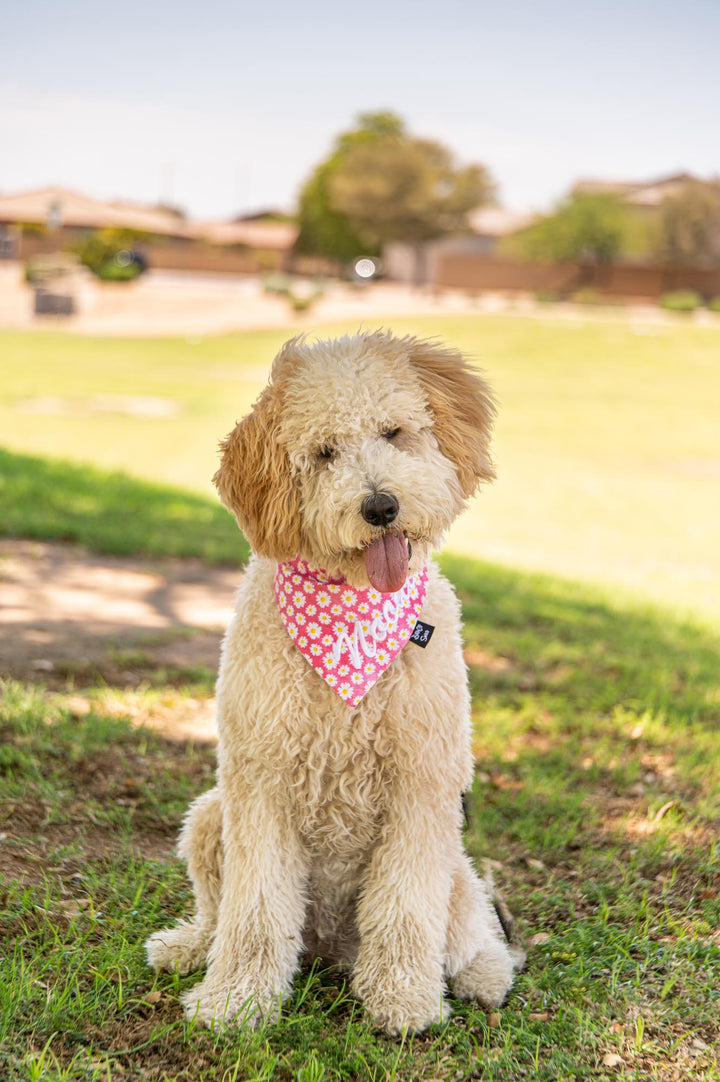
pixel 402 916
pixel 262 909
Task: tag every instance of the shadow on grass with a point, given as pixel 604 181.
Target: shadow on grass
pixel 110 512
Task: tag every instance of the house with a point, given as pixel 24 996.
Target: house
pixel 418 265
pixel 53 218
pixel 637 193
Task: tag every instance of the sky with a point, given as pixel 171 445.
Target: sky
pixel 225 108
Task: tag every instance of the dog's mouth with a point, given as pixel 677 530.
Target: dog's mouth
pixel 386 561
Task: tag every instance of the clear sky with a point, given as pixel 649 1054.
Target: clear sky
pixel 223 107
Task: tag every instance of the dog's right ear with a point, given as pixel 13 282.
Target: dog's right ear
pixel 255 482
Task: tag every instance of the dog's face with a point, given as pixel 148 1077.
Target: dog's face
pixel 359 455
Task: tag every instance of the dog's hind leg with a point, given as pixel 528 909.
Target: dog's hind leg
pixel 481 951
pixel 185 947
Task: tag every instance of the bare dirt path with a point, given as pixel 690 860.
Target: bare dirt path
pixel 69 617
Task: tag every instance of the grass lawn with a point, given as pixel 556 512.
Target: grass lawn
pixel 597 790
pixel 596 796
pixel 607 443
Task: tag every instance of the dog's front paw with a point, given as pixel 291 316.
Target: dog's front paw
pixel 183 948
pixel 490 975
pixel 214 1003
pixel 398 1002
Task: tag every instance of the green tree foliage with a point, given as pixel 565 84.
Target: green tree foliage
pixel 587 230
pixel 381 184
pixel 324 230
pixel 689 225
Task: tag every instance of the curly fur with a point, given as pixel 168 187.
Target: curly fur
pixel 336 830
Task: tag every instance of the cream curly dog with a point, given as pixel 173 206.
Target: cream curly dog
pixel 335 826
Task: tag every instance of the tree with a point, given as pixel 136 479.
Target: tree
pixel 689 225
pixel 381 184
pixel 324 230
pixel 587 230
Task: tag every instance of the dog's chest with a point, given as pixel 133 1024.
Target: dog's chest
pixel 339 783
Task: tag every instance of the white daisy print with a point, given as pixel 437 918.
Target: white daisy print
pixel 311 609
pixel 323 598
pixel 331 680
pixel 356 678
pixel 383 657
pixel 313 630
pixel 300 617
pixel 348 597
pixel 336 610
pixel 299 599
pixel 344 691
pixel 324 618
pixel 315 649
pixel 327 640
pixel 302 641
pixel 329 661
pixel 292 631
pixel 369 668
pixel 343 670
pixel 363 607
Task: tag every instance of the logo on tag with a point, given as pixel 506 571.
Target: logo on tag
pixel 422 633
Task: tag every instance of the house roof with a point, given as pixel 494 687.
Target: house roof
pixel 72 208
pixel 648 193
pixel 277 236
pixel 497 222
pixel 75 209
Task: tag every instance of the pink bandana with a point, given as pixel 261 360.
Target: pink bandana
pixel 349 635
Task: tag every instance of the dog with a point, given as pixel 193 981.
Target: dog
pixel 335 828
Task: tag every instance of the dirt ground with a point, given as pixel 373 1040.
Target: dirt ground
pixel 68 617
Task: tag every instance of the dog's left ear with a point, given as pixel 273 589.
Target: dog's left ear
pixel 464 410
pixel 255 482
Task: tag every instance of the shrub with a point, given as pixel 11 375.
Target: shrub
pixel 277 284
pixel 108 254
pixel 112 271
pixel 714 304
pixel 681 300
pixel 587 296
pixel 45 268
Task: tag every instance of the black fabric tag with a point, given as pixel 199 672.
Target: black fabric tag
pixel 422 633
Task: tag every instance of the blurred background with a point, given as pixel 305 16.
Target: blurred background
pixel 182 190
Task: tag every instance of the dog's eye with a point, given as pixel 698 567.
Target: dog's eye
pixel 327 454
pixel 391 433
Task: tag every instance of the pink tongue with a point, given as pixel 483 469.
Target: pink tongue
pixel 386 562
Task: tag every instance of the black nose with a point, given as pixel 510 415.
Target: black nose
pixel 380 509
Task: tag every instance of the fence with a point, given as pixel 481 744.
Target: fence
pixel 477 273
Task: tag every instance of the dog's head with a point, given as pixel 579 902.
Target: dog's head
pixel 359 454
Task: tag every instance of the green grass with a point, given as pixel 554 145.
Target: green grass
pixel 596 796
pixel 606 444
pixel 596 726
pixel 109 512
